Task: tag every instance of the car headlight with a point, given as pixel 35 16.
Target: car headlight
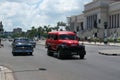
pixel 63 44
pixel 19 43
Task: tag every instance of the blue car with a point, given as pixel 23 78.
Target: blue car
pixel 22 45
pixel 32 42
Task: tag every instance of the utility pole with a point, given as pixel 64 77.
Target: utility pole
pixel 1 26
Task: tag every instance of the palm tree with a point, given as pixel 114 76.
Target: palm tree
pixel 33 32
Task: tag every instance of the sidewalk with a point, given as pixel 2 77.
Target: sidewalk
pixel 100 44
pixel 112 52
pixel 6 74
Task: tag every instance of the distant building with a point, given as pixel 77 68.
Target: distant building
pixel 1 28
pixel 17 30
pixel 100 18
pixel 8 34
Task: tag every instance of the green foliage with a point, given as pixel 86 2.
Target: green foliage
pixel 42 31
pixel 23 34
pixel 110 40
pixel 95 40
pixel 32 33
pixel 61 23
pixel 38 32
pixel 118 39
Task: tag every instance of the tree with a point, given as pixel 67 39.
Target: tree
pixel 40 31
pixel 32 33
pixel 60 23
pixel 47 29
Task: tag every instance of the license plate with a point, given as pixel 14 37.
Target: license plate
pixel 74 53
pixel 73 44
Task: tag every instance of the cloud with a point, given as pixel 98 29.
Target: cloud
pixel 28 13
pixel 60 6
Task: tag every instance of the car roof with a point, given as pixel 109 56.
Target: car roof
pixel 62 32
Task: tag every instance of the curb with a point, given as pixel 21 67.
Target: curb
pixel 86 43
pixel 109 54
pixel 101 44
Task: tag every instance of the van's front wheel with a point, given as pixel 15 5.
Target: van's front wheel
pixel 49 53
pixel 59 54
pixel 82 54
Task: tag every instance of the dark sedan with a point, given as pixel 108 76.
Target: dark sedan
pixel 22 45
pixel 32 42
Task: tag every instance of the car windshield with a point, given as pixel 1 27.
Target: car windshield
pixel 31 40
pixel 67 36
pixel 21 40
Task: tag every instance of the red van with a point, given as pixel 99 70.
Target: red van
pixel 64 44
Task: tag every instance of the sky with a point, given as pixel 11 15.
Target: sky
pixel 27 13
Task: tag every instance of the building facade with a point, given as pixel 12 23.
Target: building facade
pixel 100 18
pixel 17 30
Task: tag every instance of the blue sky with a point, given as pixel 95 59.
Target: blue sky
pixel 28 13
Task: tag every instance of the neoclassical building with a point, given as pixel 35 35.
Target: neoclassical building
pixel 100 18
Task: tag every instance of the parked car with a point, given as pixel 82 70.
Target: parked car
pixel 10 40
pixel 22 45
pixel 33 42
pixel 64 43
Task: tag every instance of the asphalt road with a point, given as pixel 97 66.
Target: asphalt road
pixel 43 67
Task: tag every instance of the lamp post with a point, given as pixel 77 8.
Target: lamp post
pixel 0 36
pixel 105 33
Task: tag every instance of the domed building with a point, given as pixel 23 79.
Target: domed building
pixel 100 18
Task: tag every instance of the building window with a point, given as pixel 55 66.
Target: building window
pixel 112 21
pixel 115 21
pixel 99 21
pixel 77 28
pixel 81 24
pixel 95 24
pixel 109 22
pixel 87 22
pixel 118 21
pixel 95 35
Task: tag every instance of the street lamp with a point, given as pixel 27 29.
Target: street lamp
pixel 105 33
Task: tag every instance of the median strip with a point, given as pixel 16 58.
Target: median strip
pixel 110 52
